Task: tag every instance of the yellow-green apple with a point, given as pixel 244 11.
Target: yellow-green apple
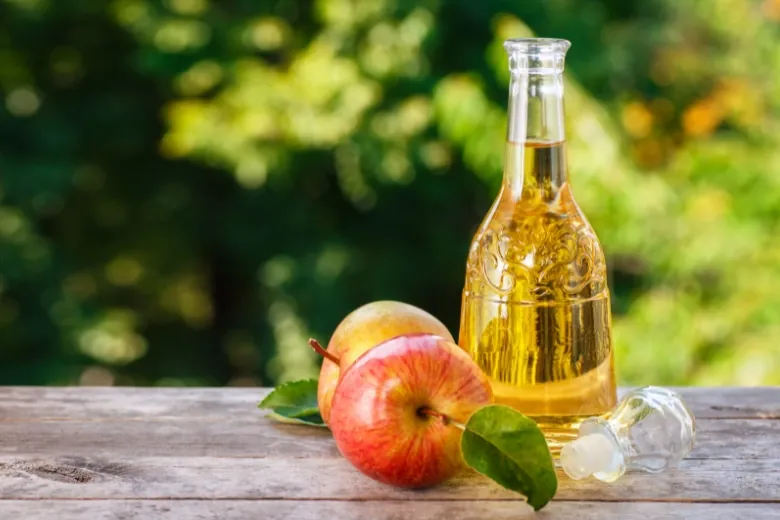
pixel 398 411
pixel 363 329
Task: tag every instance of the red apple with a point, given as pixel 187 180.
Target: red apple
pixel 363 329
pixel 396 410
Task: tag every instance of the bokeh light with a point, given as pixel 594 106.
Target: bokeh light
pixel 189 189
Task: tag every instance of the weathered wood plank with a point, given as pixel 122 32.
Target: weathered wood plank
pixel 63 403
pixel 732 403
pixel 246 435
pixel 321 479
pixel 66 403
pixel 385 510
pixel 207 453
pixel 737 439
pixel 249 435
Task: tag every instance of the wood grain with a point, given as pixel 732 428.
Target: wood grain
pixel 323 479
pixel 251 435
pixel 75 453
pixel 66 403
pixel 384 510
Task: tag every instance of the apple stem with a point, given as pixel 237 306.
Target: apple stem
pixel 319 349
pixel 430 412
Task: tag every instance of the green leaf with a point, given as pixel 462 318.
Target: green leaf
pixel 296 394
pixel 314 419
pixel 294 403
pixel 294 411
pixel 508 447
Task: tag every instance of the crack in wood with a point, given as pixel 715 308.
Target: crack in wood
pixel 56 472
pixel 69 470
pixel 758 414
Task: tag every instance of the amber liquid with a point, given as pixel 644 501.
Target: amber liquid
pixel 536 312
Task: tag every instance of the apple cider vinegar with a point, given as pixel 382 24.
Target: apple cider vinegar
pixel 536 308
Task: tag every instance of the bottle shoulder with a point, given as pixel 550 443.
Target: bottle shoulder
pixel 533 250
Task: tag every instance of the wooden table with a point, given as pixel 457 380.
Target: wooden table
pixel 141 453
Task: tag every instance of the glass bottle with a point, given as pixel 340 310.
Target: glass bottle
pixel 651 430
pixel 536 309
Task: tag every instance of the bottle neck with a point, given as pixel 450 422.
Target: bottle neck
pixel 536 154
pixel 536 108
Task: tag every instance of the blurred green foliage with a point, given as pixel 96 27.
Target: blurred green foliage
pixel 191 188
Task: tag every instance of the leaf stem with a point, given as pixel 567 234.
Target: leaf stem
pixel 322 351
pixel 430 412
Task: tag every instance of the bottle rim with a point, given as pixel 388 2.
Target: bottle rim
pixel 537 45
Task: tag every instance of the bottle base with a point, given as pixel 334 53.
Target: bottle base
pixel 559 431
pixel 591 395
